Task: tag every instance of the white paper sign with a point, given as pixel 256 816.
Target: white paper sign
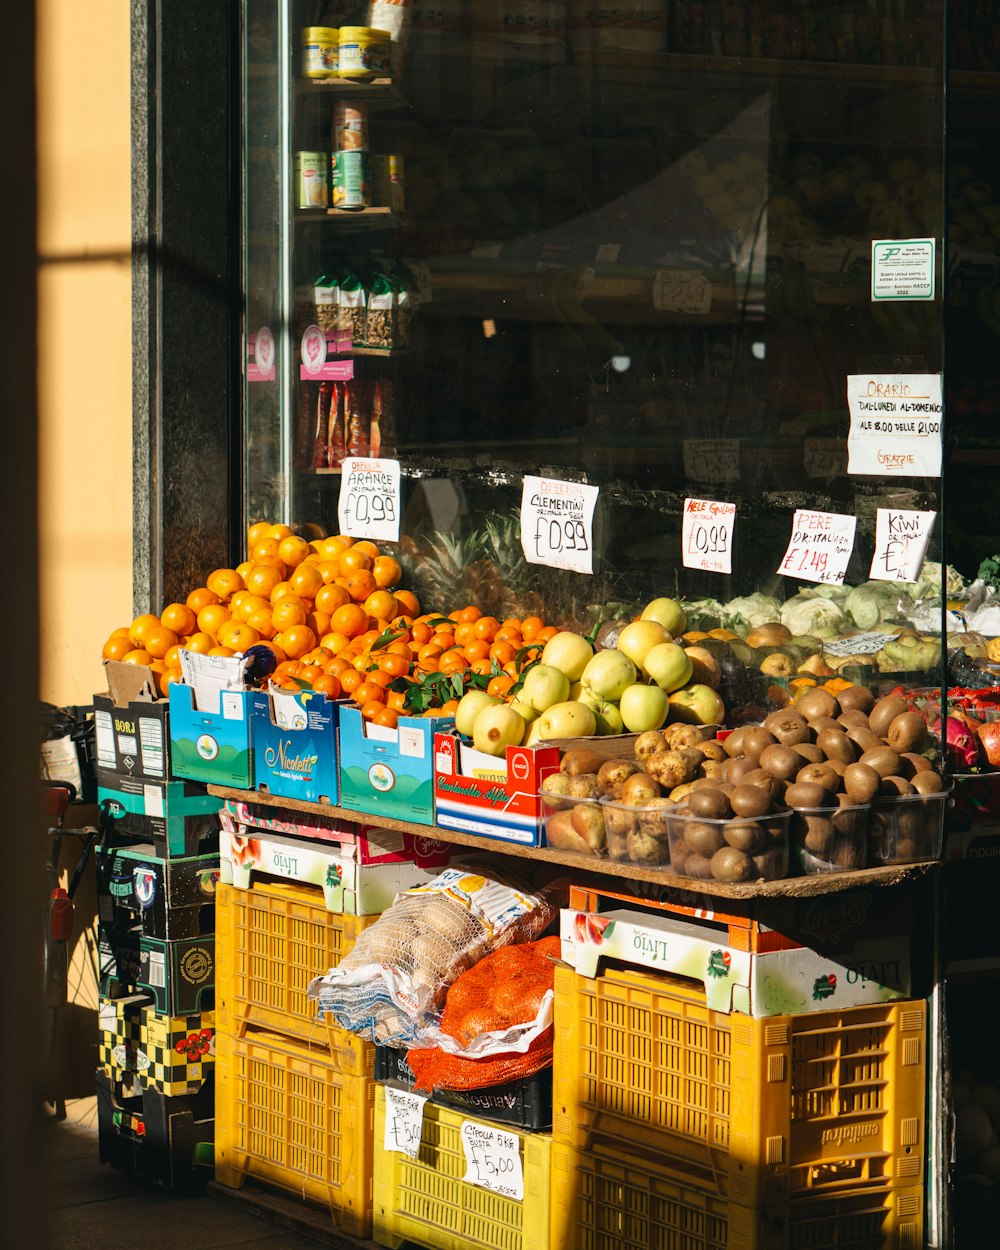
pixel 859 644
pixel 369 499
pixel 901 539
pixel 895 424
pixel 707 535
pixel 714 460
pixel 820 546
pixel 682 290
pixel 404 1121
pixel 902 269
pixel 493 1159
pixel 557 523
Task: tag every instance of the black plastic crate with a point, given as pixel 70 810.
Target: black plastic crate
pixel 524 1103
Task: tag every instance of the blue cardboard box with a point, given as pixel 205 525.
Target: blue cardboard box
pixel 294 740
pixel 213 745
pixel 389 772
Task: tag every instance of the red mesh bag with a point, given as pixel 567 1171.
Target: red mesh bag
pixel 504 989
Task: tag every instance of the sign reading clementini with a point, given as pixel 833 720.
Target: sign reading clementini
pixel 895 424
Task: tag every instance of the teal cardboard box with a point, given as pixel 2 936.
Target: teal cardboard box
pixel 389 772
pixel 177 817
pixel 294 737
pixel 212 745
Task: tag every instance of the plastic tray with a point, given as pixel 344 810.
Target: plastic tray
pixel 752 1110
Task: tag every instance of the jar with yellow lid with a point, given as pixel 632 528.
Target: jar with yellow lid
pixel 320 51
pixel 364 53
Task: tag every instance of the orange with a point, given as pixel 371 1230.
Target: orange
pixel 421 632
pixel 173 659
pixel 329 570
pixel 244 568
pixel 273 562
pixel 351 619
pixel 224 582
pixel 267 547
pixel 279 592
pixel 464 633
pixel 394 665
pixel 212 618
pixel 256 532
pixel 383 680
pixel 117 648
pixel 331 548
pixel 353 559
pixel 350 680
pixel 278 532
pixel 370 708
pixel 444 639
pixel 334 642
pixel 236 600
pixel 296 641
pixel 381 605
pixel 201 598
pixel 387 572
pixel 453 662
pixel 429 654
pixel 220 650
pixel 499 686
pixel 179 618
pixel 319 623
pixel 336 666
pixel 478 649
pixel 248 605
pixel 530 627
pixel 168 676
pixel 262 622
pixel 141 626
pixel 328 598
pixel 469 615
pixel 545 634
pixel 288 611
pixel 486 627
pixel 306 580
pixel 408 602
pixel 238 635
pixel 508 634
pixel 368 547
pixel 159 641
pixel 328 684
pixel 387 716
pixel 262 579
pixel 137 656
pixel 481 667
pixel 503 652
pixel 399 646
pixel 201 643
pixel 448 708
pixel 360 584
pixel 293 550
pixel 395 700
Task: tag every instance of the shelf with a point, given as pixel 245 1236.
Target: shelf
pixel 381 93
pixel 376 218
pixel 789 887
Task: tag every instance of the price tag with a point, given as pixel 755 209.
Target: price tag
pixel 682 290
pixel 824 457
pixel 493 1159
pixel 715 460
pixel 607 253
pixel 707 535
pixel 557 523
pixel 895 424
pixel 859 644
pixel 820 546
pixel 369 499
pixel 404 1121
pixel 901 539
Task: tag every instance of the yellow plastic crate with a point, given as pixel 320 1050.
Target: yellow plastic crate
pixel 271 940
pixel 606 1199
pixel 753 1110
pixel 299 1119
pixel 426 1201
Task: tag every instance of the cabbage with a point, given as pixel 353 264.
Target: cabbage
pixel 808 614
pixel 702 614
pixel 872 603
pixel 749 611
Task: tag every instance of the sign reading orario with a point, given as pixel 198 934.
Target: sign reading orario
pixel 895 424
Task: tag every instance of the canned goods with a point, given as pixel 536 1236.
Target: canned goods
pixel 387 179
pixel 350 127
pixel 320 51
pixel 312 180
pixel 351 180
pixel 364 52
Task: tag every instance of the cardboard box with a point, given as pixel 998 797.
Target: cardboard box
pixel 145 1050
pixel 176 817
pixel 119 1023
pixel 389 772
pixel 210 721
pixel 972 818
pixel 131 726
pixel 294 742
pixel 784 982
pixel 166 898
pixel 179 977
pixel 358 889
pixel 496 798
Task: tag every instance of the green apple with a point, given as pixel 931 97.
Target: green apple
pixel 669 665
pixel 607 715
pixel 566 720
pixel 496 729
pixel 526 712
pixel 469 707
pixel 543 686
pixel 607 674
pixel 697 704
pixel 668 612
pixel 639 637
pixel 568 652
pixel 643 707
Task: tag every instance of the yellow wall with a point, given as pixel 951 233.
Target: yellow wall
pixel 85 355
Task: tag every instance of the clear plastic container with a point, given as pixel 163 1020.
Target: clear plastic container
pixel 573 824
pixel 830 839
pixel 638 834
pixel 908 828
pixel 733 851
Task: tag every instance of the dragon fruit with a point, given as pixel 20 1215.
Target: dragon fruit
pixel 961 746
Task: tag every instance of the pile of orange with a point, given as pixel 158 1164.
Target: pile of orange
pixel 332 611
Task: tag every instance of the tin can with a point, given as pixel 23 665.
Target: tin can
pixel 364 52
pixel 387 181
pixel 312 180
pixel 320 52
pixel 351 180
pixel 350 127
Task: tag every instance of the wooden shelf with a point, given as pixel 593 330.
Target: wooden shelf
pixel 788 887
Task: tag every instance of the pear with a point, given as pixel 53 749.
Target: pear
pixel 469 707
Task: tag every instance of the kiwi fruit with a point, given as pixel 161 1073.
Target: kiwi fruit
pixel 863 738
pixel 780 762
pixel 805 794
pixel 856 699
pixel 709 804
pixel 770 864
pixel 819 724
pixel 702 838
pixel 816 702
pixel 836 745
pixel 838 766
pixel 927 782
pixel 893 786
pixel 853 717
pixel 883 759
pixel 788 727
pixel 735 770
pixel 751 801
pixel 917 763
pixel 810 752
pixel 820 775
pixel 764 781
pixel 679 854
pixel 733 743
pixel 861 782
pixel 885 712
pixel 817 835
pixel 906 732
pixel 746 835
pixel 755 741
pixel 577 760
pixel 730 864
pixel 639 789
pixel 697 865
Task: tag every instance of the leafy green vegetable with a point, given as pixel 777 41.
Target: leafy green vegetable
pixel 989 571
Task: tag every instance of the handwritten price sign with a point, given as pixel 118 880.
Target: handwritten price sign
pixel 493 1159
pixel 707 535
pixel 369 499
pixel 824 457
pixel 820 546
pixel 557 523
pixel 682 291
pixel 715 460
pixel 404 1121
pixel 901 539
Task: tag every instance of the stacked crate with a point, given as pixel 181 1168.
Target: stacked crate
pixel 733 1132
